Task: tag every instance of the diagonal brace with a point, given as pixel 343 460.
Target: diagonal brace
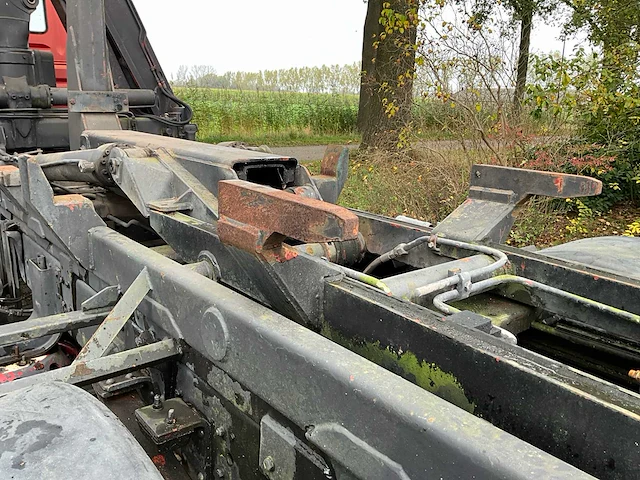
pixel 113 323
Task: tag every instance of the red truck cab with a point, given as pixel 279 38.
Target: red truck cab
pixel 48 33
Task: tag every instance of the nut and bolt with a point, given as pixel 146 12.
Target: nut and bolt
pixel 220 431
pixel 171 417
pixel 200 476
pixel 109 381
pixel 219 473
pixel 157 402
pixel 635 374
pixel 129 376
pixel 268 464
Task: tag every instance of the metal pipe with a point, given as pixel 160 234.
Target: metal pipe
pixel 501 261
pixel 440 301
pixel 406 284
pixel 137 97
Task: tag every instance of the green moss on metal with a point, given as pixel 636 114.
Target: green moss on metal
pixel 404 363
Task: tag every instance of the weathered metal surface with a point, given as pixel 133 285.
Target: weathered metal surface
pixel 512 388
pixel 88 65
pixel 333 173
pixel 26 367
pixel 170 420
pixel 101 340
pixel 58 431
pixel 256 218
pixel 486 216
pixel 84 373
pixel 106 297
pixel 97 102
pixel 39 327
pixel 525 182
pixel 319 385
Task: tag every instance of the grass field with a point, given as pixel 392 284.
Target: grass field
pixel 428 184
pixel 272 118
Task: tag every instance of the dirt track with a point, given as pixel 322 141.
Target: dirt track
pixel 306 153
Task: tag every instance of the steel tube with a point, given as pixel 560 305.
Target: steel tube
pixel 440 301
pixel 39 327
pixel 501 261
pixel 137 97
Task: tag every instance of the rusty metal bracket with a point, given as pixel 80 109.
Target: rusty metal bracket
pixel 486 215
pixel 257 219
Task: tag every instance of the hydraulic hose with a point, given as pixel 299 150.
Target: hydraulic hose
pixel 397 251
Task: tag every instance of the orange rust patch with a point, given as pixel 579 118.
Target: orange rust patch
pixel 159 460
pixel 71 201
pixel 82 370
pixel 8 169
pixel 559 183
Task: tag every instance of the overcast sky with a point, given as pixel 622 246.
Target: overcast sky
pixel 252 35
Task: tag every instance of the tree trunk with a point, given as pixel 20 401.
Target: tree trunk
pixel 388 65
pixel 526 25
pixel 371 31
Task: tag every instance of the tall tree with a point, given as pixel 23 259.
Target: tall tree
pixel 523 11
pixel 388 66
pixel 614 26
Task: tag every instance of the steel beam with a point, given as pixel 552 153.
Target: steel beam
pixel 84 373
pixel 351 409
pixel 88 65
pixel 39 327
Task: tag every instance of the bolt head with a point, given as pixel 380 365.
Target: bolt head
pixel 268 464
pixel 220 431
